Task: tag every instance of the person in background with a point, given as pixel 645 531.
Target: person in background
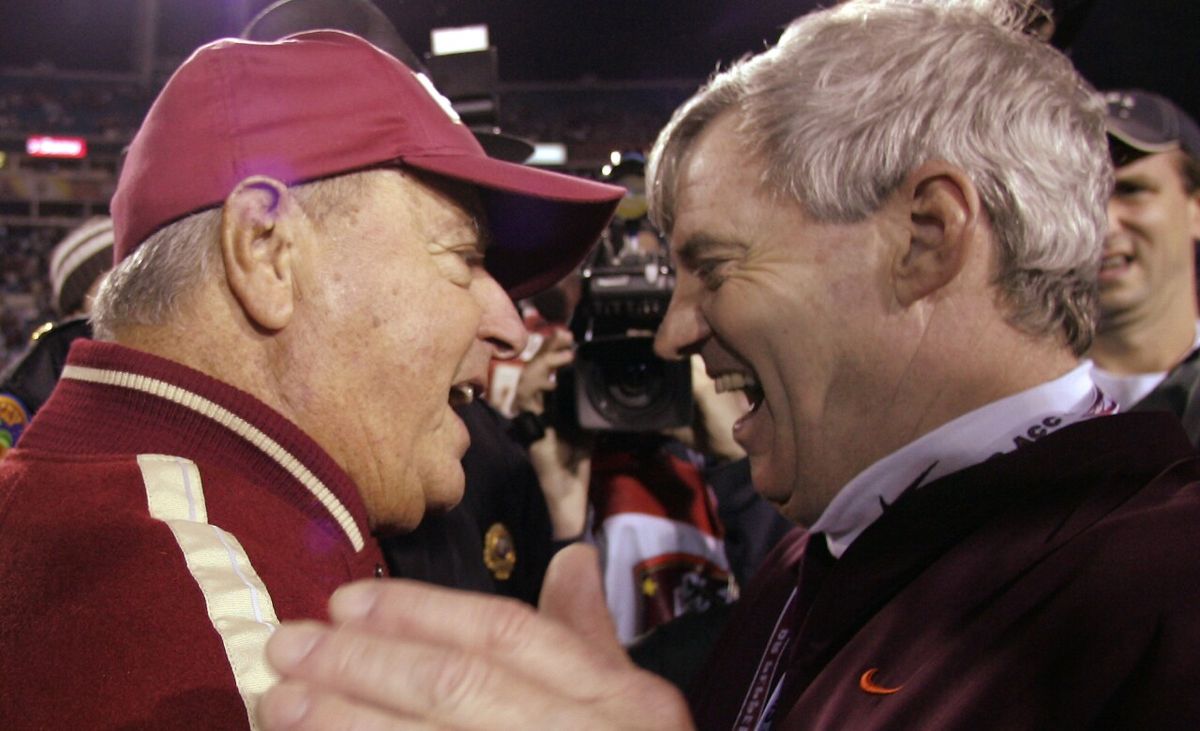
pixel 888 228
pixel 315 262
pixel 1148 335
pixel 77 266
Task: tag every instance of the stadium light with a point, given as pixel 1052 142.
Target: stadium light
pixel 47 146
pixel 548 153
pixel 464 39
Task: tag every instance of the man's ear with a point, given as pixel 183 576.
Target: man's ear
pixel 944 211
pixel 1194 214
pixel 258 247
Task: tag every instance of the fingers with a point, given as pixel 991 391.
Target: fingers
pixel 505 629
pixel 718 413
pixel 557 359
pixel 547 362
pixel 410 680
pixel 561 338
pixel 563 471
pixel 350 677
pixel 573 594
pixel 295 706
pixel 538 375
pixel 407 655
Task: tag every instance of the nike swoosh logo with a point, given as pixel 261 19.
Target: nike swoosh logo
pixel 867 683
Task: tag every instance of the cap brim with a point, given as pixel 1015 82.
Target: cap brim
pixel 502 146
pixel 542 223
pixel 1138 136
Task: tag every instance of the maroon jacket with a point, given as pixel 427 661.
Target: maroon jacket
pixel 155 525
pixel 1054 587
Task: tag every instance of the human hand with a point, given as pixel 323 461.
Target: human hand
pixel 402 654
pixel 564 472
pixel 718 412
pixel 537 377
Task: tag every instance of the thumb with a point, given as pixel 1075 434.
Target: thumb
pixel 573 595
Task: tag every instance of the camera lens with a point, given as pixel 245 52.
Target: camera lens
pixel 634 384
pixel 628 380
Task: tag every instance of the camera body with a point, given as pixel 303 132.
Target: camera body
pixel 618 383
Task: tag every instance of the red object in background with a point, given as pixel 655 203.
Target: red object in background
pixel 47 146
pixel 504 374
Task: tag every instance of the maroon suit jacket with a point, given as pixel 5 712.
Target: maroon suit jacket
pixel 1054 587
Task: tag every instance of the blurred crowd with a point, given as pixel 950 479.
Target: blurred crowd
pixel 24 289
pixel 108 110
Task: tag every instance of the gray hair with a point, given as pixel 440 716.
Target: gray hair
pixel 153 285
pixel 853 98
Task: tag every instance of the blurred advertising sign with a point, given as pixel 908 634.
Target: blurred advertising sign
pixel 47 146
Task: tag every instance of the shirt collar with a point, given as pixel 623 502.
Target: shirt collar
pixel 999 427
pixel 113 399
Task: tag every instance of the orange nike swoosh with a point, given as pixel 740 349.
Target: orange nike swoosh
pixel 867 683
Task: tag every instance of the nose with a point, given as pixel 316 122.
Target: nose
pixel 500 325
pixel 1114 216
pixel 684 327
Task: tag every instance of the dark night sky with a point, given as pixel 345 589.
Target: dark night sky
pixel 538 40
pixel 1149 43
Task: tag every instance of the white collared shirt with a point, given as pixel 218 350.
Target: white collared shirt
pixel 1001 426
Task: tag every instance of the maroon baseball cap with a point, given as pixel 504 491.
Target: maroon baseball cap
pixel 325 102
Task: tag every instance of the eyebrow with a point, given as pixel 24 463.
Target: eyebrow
pixel 483 234
pixel 480 236
pixel 1138 178
pixel 701 245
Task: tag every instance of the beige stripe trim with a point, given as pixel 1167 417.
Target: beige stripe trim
pixel 231 421
pixel 236 598
pixel 81 244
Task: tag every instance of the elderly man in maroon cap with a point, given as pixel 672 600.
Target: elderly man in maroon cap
pixel 314 265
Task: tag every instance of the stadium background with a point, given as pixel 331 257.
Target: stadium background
pixel 593 76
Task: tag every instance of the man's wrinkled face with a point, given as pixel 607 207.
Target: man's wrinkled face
pixel 402 322
pixel 1148 252
pixel 780 306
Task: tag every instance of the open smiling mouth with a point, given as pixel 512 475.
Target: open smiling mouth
pixel 1115 261
pixel 741 381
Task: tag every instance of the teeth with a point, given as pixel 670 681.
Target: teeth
pixel 462 394
pixel 1114 261
pixel 734 382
